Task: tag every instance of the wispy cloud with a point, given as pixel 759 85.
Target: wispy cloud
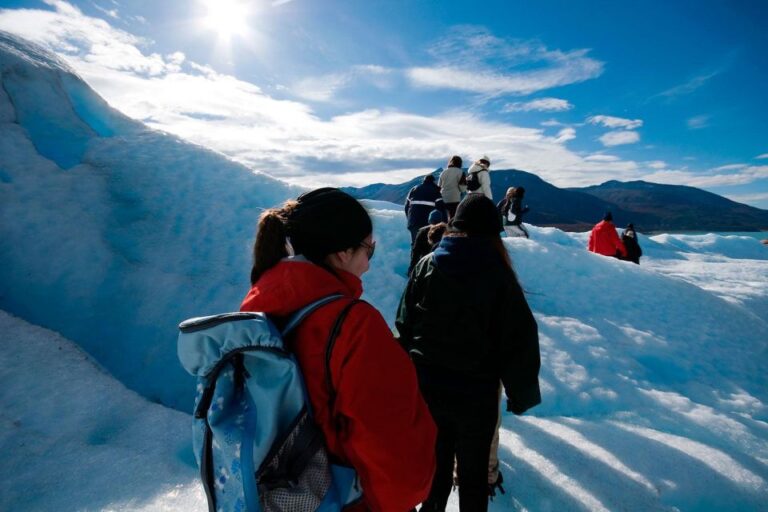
pixel 275 3
pixel 326 87
pixel 601 157
pixel 620 137
pixel 761 157
pixel 541 104
pixel 690 86
pixel 112 13
pixel 698 122
pixel 713 178
pixel 615 122
pixel 657 164
pixel 759 197
pixel 472 59
pixel 565 135
pixel 730 167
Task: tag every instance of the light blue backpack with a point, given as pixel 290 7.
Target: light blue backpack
pixel 254 438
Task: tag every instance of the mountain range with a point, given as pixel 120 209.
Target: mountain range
pixel 651 207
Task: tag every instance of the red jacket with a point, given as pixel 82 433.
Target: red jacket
pixel 388 434
pixel 604 240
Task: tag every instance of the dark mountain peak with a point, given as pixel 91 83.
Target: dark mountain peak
pixel 650 206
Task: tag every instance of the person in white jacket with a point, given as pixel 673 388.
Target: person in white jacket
pixel 451 186
pixel 479 171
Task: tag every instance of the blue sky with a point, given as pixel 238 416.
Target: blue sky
pixel 349 92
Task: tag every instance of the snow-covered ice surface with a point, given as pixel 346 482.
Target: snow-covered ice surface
pixel 655 395
pixel 73 438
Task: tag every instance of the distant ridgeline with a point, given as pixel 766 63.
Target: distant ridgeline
pixel 650 206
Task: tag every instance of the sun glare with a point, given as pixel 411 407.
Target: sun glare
pixel 227 17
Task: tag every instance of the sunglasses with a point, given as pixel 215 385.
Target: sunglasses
pixel 370 248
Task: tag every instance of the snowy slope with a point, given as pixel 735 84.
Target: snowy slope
pixel 640 412
pixel 655 394
pixel 113 233
pixel 78 440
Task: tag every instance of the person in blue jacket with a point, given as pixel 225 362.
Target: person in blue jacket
pixel 422 199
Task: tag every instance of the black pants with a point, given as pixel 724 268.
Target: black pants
pixel 414 231
pixel 450 208
pixel 465 427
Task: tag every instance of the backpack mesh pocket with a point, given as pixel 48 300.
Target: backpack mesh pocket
pixel 296 475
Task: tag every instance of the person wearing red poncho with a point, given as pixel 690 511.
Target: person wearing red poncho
pixel 605 240
pixel 379 424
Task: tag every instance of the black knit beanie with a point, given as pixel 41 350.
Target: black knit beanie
pixel 325 221
pixel 476 215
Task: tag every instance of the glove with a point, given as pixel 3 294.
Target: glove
pixel 496 485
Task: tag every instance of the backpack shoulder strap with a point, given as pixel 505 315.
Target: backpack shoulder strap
pixel 329 353
pixel 304 312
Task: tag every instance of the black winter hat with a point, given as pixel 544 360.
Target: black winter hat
pixel 608 216
pixel 325 221
pixel 476 215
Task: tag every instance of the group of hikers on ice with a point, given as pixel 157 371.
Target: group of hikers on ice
pixel 391 422
pixel 410 416
pixel 431 205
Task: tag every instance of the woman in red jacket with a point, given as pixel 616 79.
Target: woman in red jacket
pixel 379 424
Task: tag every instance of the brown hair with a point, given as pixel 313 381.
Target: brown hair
pixel 271 239
pixel 455 161
pixel 435 233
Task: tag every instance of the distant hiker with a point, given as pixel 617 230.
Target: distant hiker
pixel 479 178
pixel 629 239
pixel 604 240
pixel 451 186
pixel 512 212
pixel 422 199
pixel 378 424
pixel 421 245
pixel 465 321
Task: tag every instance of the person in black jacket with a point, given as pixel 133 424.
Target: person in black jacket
pixel 629 238
pixel 421 244
pixel 422 199
pixel 466 324
pixel 512 211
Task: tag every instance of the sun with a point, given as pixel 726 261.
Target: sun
pixel 227 17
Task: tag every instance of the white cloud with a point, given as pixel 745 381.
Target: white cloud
pixel 541 104
pixel 321 88
pixel 657 164
pixel 712 178
pixel 615 122
pixel 325 88
pixel 698 122
pixel 601 157
pixel 730 167
pixel 620 137
pixel 474 60
pixel 761 157
pixel 565 135
pixel 748 198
